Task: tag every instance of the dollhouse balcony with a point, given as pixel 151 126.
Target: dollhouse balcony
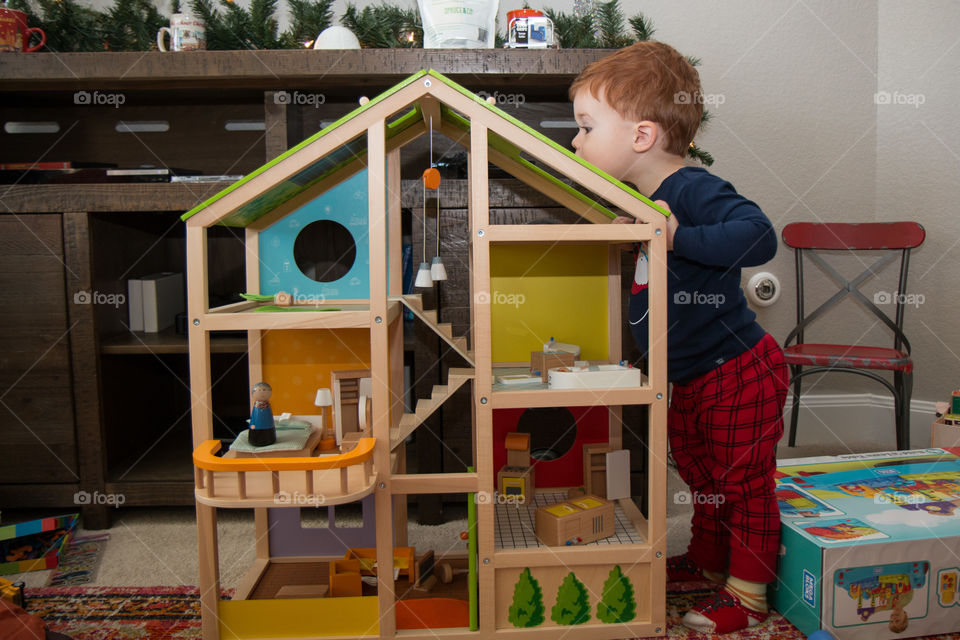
pixel 283 481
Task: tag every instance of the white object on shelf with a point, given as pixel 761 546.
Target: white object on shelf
pixel 553 346
pixel 135 304
pixel 519 378
pixel 162 300
pixel 458 24
pixel 603 376
pixel 336 38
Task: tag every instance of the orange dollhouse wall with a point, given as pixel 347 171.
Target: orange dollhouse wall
pixel 297 363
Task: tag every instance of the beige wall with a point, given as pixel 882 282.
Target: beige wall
pixel 799 132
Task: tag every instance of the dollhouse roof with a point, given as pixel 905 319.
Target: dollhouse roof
pixel 340 150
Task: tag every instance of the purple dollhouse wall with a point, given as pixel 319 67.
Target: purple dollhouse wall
pixel 289 538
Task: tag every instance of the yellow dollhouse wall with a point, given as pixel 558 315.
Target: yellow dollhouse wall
pixel 541 291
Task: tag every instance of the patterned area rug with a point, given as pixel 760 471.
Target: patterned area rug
pixel 173 613
pixel 80 561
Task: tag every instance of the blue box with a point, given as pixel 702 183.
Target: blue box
pixel 870 544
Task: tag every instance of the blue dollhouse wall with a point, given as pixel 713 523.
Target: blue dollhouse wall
pixel 345 204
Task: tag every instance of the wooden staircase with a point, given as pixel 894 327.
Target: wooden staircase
pixel 414 302
pixel 426 406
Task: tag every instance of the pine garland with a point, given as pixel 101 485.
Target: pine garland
pixel 308 18
pixel 384 26
pixel 610 23
pixel 69 26
pixel 131 25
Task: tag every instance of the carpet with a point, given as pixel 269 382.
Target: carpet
pixel 173 613
pixel 80 561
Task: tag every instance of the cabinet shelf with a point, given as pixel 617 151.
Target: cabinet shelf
pixel 166 342
pixel 147 197
pixel 537 72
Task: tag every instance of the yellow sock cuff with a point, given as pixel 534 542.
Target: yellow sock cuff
pixel 753 595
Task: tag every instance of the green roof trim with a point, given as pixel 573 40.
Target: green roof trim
pixel 289 152
pixel 512 120
pixel 355 149
pixel 500 144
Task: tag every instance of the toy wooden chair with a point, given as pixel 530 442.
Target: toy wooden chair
pixel 804 358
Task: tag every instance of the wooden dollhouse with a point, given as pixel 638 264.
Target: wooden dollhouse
pixel 346 178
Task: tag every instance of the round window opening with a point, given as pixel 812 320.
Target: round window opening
pixel 324 250
pixel 553 431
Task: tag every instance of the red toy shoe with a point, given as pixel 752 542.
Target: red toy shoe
pixel 722 613
pixel 682 569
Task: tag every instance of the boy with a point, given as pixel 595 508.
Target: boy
pixel 638 111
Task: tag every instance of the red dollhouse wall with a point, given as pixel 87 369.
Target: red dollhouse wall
pixel 592 425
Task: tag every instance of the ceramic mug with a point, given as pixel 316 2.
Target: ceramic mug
pixel 186 34
pixel 15 34
pixel 529 28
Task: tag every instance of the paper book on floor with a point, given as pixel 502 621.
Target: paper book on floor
pixel 162 300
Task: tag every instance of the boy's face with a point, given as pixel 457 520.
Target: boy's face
pixel 605 138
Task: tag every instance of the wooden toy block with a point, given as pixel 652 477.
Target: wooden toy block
pixel 595 469
pixel 518 449
pixel 516 481
pixel 423 568
pixel 367 557
pixel 302 591
pixel 345 578
pixel 955 402
pixel 542 361
pixel 575 522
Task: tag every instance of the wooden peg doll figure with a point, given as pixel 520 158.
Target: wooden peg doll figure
pixel 262 430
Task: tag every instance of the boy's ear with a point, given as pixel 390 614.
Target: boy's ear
pixel 645 135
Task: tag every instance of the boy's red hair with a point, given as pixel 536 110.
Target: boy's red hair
pixel 649 81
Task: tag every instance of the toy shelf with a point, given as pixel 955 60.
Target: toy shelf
pixel 569 233
pixel 244 316
pixel 539 395
pixel 515 531
pixel 244 483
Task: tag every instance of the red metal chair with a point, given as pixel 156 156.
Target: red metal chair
pixel 805 358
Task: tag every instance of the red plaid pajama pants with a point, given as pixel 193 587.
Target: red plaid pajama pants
pixel 723 428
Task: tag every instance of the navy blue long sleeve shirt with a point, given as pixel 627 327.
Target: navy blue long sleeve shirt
pixel 707 315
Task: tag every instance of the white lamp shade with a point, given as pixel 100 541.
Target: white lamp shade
pixel 423 276
pixel 324 398
pixel 437 270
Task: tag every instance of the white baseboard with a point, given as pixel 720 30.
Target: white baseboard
pixel 858 420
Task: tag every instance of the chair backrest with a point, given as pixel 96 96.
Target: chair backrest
pixel 897 238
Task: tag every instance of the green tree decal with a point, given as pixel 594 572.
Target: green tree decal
pixel 527 607
pixel 572 606
pixel 617 603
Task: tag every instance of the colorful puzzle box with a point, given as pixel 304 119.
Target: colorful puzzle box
pixel 870 544
pixel 35 545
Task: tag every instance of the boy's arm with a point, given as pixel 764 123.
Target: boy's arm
pixel 743 237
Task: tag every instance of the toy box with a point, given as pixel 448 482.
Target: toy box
pixel 866 544
pixel 35 545
pixel 542 361
pixel 576 521
pixel 945 432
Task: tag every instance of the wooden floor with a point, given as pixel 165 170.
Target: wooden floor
pixel 279 575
